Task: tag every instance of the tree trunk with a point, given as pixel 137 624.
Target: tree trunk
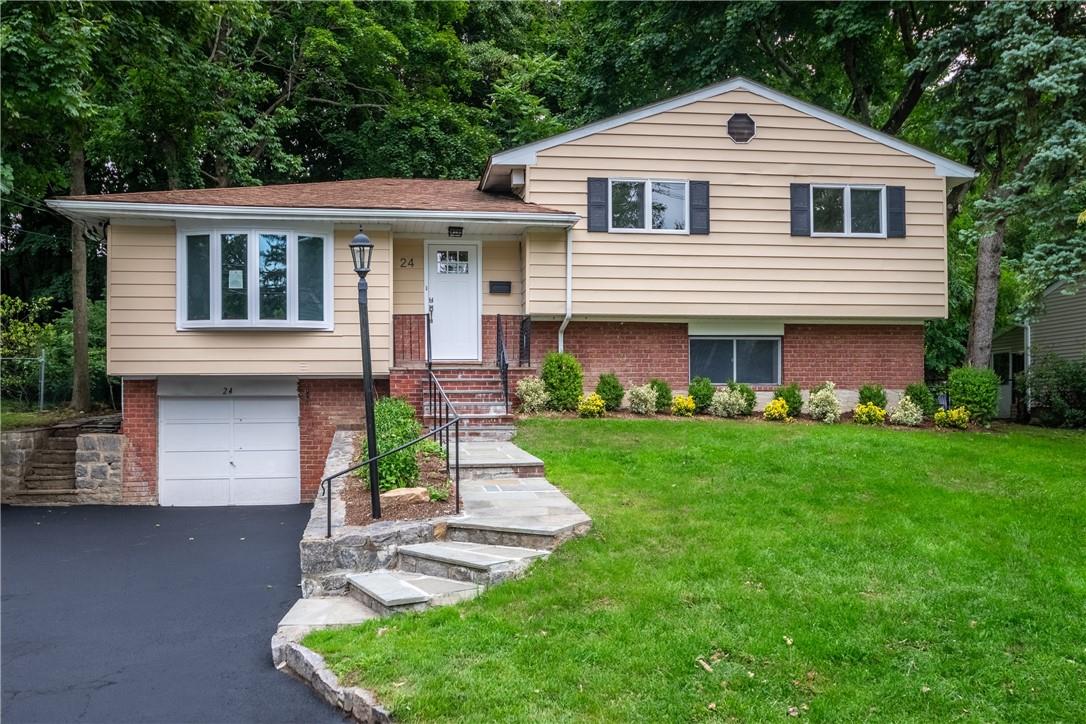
pixel 80 362
pixel 985 296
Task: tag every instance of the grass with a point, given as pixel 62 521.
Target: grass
pixel 842 572
pixel 10 420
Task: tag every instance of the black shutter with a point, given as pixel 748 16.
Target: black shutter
pixel 895 212
pixel 801 209
pixel 597 204
pixel 699 207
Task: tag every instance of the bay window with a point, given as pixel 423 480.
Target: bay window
pixel 842 210
pixel 753 360
pixel 257 278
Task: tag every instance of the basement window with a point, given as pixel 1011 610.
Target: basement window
pixel 753 360
pixel 254 278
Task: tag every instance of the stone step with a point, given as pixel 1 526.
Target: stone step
pixel 50 480
pixel 54 456
pixel 471 562
pixel 44 496
pixel 488 408
pixel 60 443
pixel 471 419
pixel 490 433
pixel 389 591
pixel 52 468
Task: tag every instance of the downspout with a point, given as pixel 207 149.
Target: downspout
pixel 1028 362
pixel 569 290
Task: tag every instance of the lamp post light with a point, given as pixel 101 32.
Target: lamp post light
pixel 362 254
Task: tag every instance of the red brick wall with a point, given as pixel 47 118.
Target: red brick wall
pixel 635 351
pixel 140 427
pixel 851 355
pixel 511 332
pixel 408 338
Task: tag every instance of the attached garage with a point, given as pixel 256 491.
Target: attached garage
pixel 228 443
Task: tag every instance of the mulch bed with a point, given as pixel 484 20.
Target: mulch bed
pixel 432 475
pixel 756 418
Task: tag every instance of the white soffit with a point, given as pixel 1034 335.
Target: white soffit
pixel 526 155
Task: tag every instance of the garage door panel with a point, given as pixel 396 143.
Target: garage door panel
pixel 275 463
pixel 268 408
pixel 199 437
pixel 204 491
pixel 264 491
pixel 196 408
pixel 187 465
pixel 266 436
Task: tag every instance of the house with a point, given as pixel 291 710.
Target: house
pixel 733 232
pixel 1059 328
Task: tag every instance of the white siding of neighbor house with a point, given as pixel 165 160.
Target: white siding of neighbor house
pixel 142 335
pixel 748 265
pixel 1061 327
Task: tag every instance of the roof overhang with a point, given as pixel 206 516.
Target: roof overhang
pixel 499 165
pixel 112 210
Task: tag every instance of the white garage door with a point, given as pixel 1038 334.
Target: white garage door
pixel 228 451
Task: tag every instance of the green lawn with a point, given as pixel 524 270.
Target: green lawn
pixel 17 420
pixel 852 573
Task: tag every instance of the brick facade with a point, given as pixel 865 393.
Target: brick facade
pixel 635 351
pixel 140 428
pixel 851 355
pixel 409 338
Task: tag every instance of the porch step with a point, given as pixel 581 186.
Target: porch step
pixel 492 460
pixel 390 591
pixel 60 443
pixel 489 433
pixel 469 562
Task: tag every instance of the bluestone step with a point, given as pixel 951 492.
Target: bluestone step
pixel 387 591
pixel 472 562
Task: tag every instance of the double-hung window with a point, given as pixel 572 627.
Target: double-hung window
pixel 844 210
pixel 648 205
pixel 753 360
pixel 254 277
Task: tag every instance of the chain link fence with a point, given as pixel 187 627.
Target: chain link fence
pixel 22 381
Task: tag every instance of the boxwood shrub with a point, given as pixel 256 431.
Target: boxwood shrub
pixel 663 395
pixel 564 378
pixel 873 395
pixel 792 397
pixel 610 389
pixel 977 390
pixel 395 423
pixel 701 390
pixel 921 394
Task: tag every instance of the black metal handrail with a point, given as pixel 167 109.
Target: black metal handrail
pixel 444 427
pixel 525 342
pixel 503 362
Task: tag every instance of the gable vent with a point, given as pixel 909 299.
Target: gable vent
pixel 741 128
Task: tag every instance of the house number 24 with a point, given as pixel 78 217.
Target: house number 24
pixel 406 262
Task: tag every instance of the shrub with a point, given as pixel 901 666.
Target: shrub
pixel 906 412
pixel 395 424
pixel 663 394
pixel 921 394
pixel 564 379
pixel 1058 389
pixel 728 402
pixel 868 413
pixel 823 403
pixel 957 417
pixel 977 390
pixel 873 395
pixel 533 395
pixel 610 389
pixel 683 406
pixel 792 397
pixel 438 495
pixel 701 390
pixel 643 400
pixel 749 397
pixel 592 406
pixel 777 409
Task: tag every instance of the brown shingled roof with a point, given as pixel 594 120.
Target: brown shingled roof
pixel 369 193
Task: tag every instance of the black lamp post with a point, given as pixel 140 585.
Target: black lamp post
pixel 361 254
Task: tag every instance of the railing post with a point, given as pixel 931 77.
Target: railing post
pixel 456 487
pixel 328 502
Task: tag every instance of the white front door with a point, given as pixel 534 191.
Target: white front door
pixel 452 289
pixel 228 451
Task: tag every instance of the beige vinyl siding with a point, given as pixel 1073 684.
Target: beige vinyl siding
pixel 500 261
pixel 749 264
pixel 1061 328
pixel 143 339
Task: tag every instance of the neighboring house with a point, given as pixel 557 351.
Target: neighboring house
pixel 1059 329
pixel 733 232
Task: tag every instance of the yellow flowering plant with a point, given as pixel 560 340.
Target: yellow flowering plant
pixel 777 409
pixel 683 406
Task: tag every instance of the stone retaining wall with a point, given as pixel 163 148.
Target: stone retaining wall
pixel 16 449
pixel 99 468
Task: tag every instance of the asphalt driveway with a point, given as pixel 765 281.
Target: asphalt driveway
pixel 149 615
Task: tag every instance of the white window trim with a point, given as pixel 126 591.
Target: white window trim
pixel 848 210
pixel 735 363
pixel 647 229
pixel 253 233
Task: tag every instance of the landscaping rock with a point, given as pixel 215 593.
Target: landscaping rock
pixel 406 495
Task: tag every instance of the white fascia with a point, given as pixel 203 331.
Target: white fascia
pixel 526 155
pixel 78 209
